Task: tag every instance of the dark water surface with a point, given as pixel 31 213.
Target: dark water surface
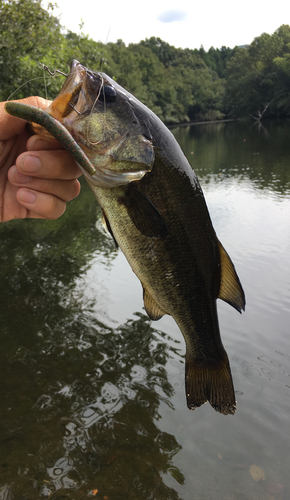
pixel 92 391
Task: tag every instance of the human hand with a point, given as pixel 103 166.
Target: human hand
pixel 37 176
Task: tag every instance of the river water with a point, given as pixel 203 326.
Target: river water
pixel 92 392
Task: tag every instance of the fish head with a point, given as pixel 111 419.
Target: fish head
pixel 102 118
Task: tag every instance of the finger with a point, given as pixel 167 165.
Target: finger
pixel 39 143
pixel 10 125
pixel 40 205
pixel 63 189
pixel 51 164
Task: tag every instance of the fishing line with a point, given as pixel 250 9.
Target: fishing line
pixel 93 106
pixel 102 59
pixel 108 35
pixel 45 86
pixel 44 67
pixel 25 83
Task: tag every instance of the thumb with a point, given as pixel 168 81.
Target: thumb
pixel 10 125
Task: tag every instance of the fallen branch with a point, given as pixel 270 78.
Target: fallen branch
pixel 260 113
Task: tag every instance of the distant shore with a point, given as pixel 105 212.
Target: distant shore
pixel 186 124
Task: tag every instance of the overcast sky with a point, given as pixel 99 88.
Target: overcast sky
pixel 180 23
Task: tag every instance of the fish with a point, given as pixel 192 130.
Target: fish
pixel 154 208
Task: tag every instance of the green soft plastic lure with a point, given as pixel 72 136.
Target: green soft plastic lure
pixel 54 127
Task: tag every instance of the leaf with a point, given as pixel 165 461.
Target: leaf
pixel 177 475
pixel 257 473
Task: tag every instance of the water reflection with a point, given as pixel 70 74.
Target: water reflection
pixel 240 150
pixel 80 399
pixel 97 443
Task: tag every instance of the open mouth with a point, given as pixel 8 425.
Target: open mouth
pixel 68 97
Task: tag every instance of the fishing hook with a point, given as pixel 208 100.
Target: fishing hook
pixel 73 107
pixel 54 72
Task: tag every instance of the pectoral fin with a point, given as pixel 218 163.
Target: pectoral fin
pixel 145 216
pixel 231 290
pixel 153 310
pixel 107 226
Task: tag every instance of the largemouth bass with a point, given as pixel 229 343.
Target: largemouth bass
pixel 155 210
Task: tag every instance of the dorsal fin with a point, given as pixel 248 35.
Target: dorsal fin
pixel 231 290
pixel 153 310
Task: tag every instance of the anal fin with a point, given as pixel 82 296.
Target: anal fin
pixel 153 310
pixel 231 290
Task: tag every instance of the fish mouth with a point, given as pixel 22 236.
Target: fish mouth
pixel 77 99
pixel 63 104
pixel 82 89
pixel 66 100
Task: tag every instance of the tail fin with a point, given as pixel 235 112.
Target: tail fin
pixel 210 382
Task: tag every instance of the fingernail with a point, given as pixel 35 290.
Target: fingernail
pixel 27 196
pixel 21 178
pixel 30 164
pixel 17 177
pixel 37 144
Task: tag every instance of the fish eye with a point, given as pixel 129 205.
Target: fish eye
pixel 107 94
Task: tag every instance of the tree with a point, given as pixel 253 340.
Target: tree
pixel 29 35
pixel 257 75
pixel 179 85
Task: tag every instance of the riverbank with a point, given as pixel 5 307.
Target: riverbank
pixel 186 124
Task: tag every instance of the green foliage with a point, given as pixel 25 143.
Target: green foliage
pixel 179 85
pixel 258 74
pixel 217 59
pixel 30 36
